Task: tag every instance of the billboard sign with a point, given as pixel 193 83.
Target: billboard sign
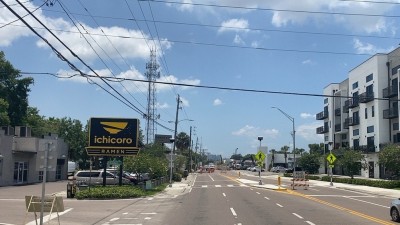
pixel 113 136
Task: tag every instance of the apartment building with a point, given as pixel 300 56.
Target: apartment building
pixel 361 112
pixel 22 157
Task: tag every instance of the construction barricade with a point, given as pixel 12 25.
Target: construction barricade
pixel 299 180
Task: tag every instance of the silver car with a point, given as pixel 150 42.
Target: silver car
pixel 395 209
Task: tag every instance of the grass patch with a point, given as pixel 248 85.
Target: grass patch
pixel 117 192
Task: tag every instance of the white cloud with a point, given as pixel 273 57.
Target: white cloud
pixel 308 62
pixel 367 48
pixel 251 131
pixel 162 106
pixel 236 25
pixel 68 33
pixel 307 115
pixel 184 102
pixel 308 132
pixel 217 102
pixel 238 40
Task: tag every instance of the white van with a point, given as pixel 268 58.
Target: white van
pixel 71 168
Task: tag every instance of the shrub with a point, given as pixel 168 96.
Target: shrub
pixel 372 183
pixel 177 177
pixel 116 192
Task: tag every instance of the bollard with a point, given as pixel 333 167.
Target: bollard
pixel 279 182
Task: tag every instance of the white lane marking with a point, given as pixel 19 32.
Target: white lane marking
pixel 217 185
pixel 230 185
pixel 258 193
pixel 147 218
pixel 243 185
pixel 149 199
pixel 313 189
pixel 266 198
pixel 211 177
pixel 114 219
pixel 384 206
pixel 310 223
pixel 204 186
pixel 224 194
pixel 6 224
pixel 152 213
pixel 297 215
pixel 46 218
pixel 233 212
pixel 125 213
pixel 279 205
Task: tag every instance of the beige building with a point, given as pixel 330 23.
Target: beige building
pixel 22 157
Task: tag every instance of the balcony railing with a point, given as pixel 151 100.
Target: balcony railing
pixel 367 148
pixel 338 127
pixel 322 115
pixel 322 130
pixel 390 91
pixel 346 107
pixel 390 113
pixel 351 121
pixel 352 103
pixel 338 112
pixel 366 97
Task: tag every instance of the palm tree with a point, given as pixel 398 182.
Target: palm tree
pixel 285 150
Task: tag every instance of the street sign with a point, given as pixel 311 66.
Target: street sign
pixel 331 165
pixel 331 158
pixel 260 156
pixel 161 138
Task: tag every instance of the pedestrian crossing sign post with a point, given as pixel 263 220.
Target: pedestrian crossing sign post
pixel 331 158
pixel 260 156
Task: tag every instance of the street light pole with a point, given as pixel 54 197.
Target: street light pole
pixel 293 136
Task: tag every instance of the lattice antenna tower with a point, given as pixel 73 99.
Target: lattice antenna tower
pixel 152 75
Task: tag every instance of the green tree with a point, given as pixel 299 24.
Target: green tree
pixel 352 161
pixel 73 132
pixel 285 150
pixel 182 143
pixel 389 157
pixel 4 118
pixel 36 122
pixel 310 162
pixel 317 148
pixel 14 90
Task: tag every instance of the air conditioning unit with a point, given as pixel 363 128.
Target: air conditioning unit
pixel 8 130
pixel 23 131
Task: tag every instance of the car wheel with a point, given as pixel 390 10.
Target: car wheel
pixel 394 213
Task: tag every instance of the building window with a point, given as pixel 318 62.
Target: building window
pixel 395 126
pixel 355 85
pixel 356 132
pixel 395 69
pixel 369 77
pixel 58 172
pixel 356 144
pixel 366 113
pixel 40 175
pixel 370 129
pixel 344 136
pixel 373 111
pixel 326 101
pixel 326 138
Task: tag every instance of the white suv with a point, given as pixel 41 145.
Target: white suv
pixel 95 177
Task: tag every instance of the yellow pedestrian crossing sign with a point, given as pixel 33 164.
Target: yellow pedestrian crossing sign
pixel 331 158
pixel 260 156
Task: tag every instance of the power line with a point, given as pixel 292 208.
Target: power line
pixel 113 79
pixel 271 9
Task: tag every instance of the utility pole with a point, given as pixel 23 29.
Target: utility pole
pixel 190 150
pixel 152 75
pixel 176 121
pixel 196 159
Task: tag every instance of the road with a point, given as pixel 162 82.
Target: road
pixel 213 198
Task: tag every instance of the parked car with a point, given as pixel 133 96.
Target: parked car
pixel 278 169
pixel 95 177
pixel 395 209
pixel 257 169
pixel 290 170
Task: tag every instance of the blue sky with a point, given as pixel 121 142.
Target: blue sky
pixel 271 45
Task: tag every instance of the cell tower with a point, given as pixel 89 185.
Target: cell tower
pixel 152 74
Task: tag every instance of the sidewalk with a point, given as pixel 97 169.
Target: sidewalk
pixel 181 187
pixel 268 184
